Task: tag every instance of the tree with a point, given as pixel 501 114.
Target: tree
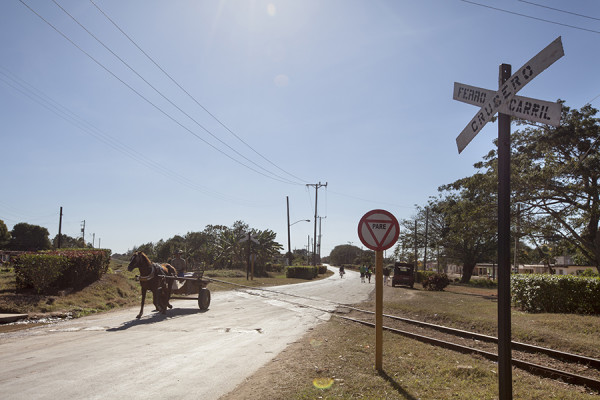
pixel 26 237
pixel 344 254
pixel 4 235
pixel 469 232
pixel 556 178
pixel 68 242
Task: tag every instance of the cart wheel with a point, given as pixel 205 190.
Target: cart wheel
pixel 204 299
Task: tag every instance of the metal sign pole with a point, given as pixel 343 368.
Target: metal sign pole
pixel 504 328
pixel 379 310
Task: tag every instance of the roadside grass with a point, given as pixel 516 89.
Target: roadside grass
pixel 117 288
pixel 336 361
pixel 477 310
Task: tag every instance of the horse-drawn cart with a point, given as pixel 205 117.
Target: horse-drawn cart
pixel 191 283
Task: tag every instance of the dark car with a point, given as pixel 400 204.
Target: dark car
pixel 404 274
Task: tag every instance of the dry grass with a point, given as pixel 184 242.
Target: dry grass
pixel 339 357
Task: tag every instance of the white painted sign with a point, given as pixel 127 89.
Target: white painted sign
pixel 509 89
pixel 527 108
pixel 378 230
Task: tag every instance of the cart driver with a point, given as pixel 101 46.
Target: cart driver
pixel 179 263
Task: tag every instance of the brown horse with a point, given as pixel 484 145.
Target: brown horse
pixel 152 277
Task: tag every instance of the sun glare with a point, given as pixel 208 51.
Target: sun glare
pixel 271 10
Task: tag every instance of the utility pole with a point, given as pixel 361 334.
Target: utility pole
pixel 60 228
pixel 319 246
pixel 426 229
pixel 308 251
pixel 93 239
pixel 317 186
pixel 83 231
pixel 416 254
pixel 287 200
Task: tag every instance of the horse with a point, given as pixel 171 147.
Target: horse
pixel 152 277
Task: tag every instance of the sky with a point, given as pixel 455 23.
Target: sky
pixel 150 119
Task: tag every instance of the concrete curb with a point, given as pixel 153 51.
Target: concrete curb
pixel 6 318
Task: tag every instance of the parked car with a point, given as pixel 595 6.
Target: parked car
pixel 404 274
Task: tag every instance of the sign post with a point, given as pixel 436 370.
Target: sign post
pixel 249 239
pixel 506 103
pixel 378 230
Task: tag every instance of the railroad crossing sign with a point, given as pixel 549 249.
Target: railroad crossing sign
pixel 507 103
pixel 527 108
pixel 507 91
pixel 378 230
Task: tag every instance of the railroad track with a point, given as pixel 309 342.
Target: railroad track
pixel 517 347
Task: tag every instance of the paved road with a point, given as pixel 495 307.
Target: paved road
pixel 187 354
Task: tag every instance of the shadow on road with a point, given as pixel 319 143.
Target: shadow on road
pixel 156 318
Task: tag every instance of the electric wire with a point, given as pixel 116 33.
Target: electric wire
pixel 63 112
pixel 162 95
pixel 188 94
pixel 559 10
pixel 530 17
pixel 143 97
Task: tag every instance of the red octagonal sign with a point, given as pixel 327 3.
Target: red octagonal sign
pixel 378 230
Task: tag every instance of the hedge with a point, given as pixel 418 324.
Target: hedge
pixel 302 272
pixel 49 271
pixel 556 293
pixel 436 282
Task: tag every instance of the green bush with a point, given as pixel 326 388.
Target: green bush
pixel 60 269
pixel 422 276
pixel 485 283
pixel 436 282
pixel 556 293
pixel 301 272
pixel 322 269
pixel 39 271
pixel 270 267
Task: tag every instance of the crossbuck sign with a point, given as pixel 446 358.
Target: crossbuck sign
pixel 505 100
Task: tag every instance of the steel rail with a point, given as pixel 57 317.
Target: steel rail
pixel 530 367
pixel 557 354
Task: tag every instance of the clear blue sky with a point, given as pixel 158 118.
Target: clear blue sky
pixel 357 94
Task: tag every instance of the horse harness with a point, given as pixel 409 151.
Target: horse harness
pixel 157 271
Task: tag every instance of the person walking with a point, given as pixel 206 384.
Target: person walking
pixel 386 276
pixel 362 271
pixel 369 274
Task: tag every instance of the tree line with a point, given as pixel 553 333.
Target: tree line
pixel 555 201
pixel 555 204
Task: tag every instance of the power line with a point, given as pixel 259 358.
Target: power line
pixel 529 16
pixel 161 94
pixel 188 94
pixel 63 112
pixel 144 98
pixel 557 9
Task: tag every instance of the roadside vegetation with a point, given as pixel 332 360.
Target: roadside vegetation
pixel 336 359
pixel 117 288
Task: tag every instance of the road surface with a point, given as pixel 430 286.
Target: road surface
pixel 187 354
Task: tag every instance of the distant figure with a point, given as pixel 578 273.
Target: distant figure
pixel 363 271
pixel 386 276
pixel 369 274
pixel 342 271
pixel 179 263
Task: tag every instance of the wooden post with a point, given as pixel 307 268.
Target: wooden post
pixel 504 331
pixel 379 310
